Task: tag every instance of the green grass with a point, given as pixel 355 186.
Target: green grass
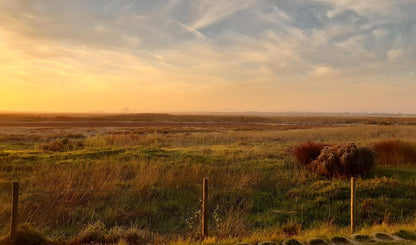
pixel 403 173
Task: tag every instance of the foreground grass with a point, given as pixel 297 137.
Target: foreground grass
pixel 323 231
pixel 99 234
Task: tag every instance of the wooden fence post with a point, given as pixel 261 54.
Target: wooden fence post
pixel 205 208
pixel 13 216
pixel 353 204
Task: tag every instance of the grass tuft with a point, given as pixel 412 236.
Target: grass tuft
pixel 395 152
pixel 97 233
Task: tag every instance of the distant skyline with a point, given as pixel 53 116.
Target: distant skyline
pixel 202 55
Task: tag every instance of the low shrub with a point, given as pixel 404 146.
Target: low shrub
pixel 394 152
pixel 307 152
pixel 346 160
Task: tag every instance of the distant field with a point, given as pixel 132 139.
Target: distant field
pixel 155 117
pixel 145 171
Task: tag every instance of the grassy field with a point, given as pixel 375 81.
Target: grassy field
pixel 106 176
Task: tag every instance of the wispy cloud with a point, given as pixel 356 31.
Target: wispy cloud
pixel 211 12
pixel 190 29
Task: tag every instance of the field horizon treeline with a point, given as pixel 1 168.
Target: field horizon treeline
pixel 312 118
pixel 83 183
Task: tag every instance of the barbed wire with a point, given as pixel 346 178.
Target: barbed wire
pixel 70 191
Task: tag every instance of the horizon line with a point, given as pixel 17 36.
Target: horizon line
pixel 213 113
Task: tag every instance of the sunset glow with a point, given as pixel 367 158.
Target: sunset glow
pixel 176 56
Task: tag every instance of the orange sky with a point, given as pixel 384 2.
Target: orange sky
pixel 341 56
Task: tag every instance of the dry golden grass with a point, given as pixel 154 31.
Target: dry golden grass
pixel 137 174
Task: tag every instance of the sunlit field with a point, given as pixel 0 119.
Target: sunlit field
pixel 111 178
pixel 159 122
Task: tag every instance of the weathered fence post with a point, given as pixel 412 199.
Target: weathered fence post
pixel 205 208
pixel 353 204
pixel 13 216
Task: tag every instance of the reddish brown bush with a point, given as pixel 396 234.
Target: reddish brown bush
pixel 307 152
pixel 345 160
pixel 394 152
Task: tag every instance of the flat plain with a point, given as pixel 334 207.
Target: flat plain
pixel 109 175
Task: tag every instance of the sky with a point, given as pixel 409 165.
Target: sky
pixel 205 55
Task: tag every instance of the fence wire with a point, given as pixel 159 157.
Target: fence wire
pixel 232 209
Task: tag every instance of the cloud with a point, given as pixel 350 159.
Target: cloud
pixel 366 8
pixel 190 29
pixel 323 71
pixel 255 54
pixel 395 53
pixel 209 12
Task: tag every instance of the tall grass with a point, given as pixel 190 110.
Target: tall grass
pixel 395 152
